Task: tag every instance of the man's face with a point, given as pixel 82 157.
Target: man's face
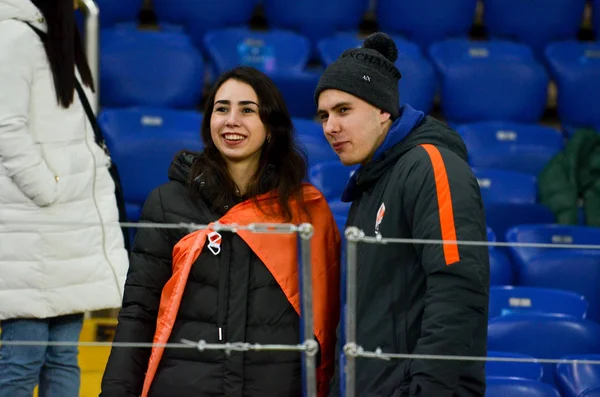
pixel 353 127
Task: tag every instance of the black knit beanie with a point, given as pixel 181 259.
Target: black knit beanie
pixel 368 73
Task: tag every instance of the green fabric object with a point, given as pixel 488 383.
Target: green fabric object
pixel 573 175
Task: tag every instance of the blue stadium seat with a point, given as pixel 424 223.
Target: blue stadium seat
pixel 501 271
pixel 309 136
pixel 340 221
pixel 593 391
pixel 339 208
pixel 541 336
pixel 315 19
pixel 489 80
pixel 511 146
pixel 506 300
pixel 551 234
pixel 491 236
pixel 573 379
pixel 504 186
pixel 148 68
pixel 535 23
pixel 575 67
pixel 509 200
pixel 143 142
pixel 283 55
pixel 576 270
pixel 418 84
pixel 200 16
pixel 117 11
pixel 330 178
pixel 513 369
pixel 567 270
pixel 426 21
pixel 501 216
pixel 501 268
pixel 570 130
pixel 505 387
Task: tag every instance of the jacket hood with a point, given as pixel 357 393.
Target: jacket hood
pixel 22 10
pixel 411 129
pixel 181 166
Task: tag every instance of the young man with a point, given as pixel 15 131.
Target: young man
pixel 414 182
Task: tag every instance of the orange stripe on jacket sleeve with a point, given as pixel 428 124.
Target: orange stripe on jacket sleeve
pixel 444 199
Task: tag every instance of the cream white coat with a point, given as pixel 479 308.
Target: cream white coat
pixel 51 171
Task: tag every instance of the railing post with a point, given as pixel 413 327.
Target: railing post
pixel 306 232
pixel 352 238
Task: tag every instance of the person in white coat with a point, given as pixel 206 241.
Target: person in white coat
pixel 61 249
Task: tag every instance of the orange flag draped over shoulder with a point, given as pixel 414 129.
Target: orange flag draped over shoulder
pixel 279 254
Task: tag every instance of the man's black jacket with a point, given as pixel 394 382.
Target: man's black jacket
pixel 413 297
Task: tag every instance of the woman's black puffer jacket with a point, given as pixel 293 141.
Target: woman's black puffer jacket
pixel 231 297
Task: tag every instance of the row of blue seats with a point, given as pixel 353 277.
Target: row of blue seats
pixel 534 23
pixel 544 337
pixel 551 267
pixel 487 80
pixel 526 373
pixel 505 156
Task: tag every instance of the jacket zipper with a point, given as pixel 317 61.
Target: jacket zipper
pixel 222 291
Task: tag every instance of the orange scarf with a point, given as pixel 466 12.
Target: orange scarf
pixel 279 254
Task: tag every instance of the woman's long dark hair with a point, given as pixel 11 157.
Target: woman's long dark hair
pixel 280 155
pixel 64 48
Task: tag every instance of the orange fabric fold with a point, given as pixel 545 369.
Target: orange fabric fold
pixel 279 253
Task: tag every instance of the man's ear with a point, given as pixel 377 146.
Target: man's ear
pixel 384 116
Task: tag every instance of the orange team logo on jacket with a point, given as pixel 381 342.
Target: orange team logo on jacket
pixel 279 254
pixel 379 218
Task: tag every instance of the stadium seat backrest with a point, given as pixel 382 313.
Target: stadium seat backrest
pixel 505 387
pixel 309 136
pixel 315 19
pixel 330 178
pixel 116 11
pixel 330 48
pixel 551 234
pixel 513 369
pixel 339 208
pixel 575 66
pixel 148 68
pixel 491 236
pixel 593 391
pixel 501 268
pixel 200 16
pixel 542 336
pixel 510 146
pixel 534 22
pixel 143 143
pixel 504 186
pixel 426 21
pixel 502 217
pixel 340 221
pixel 507 300
pixel 574 378
pixel 491 80
pixel 570 271
pixel 269 51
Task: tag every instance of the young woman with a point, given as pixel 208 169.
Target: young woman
pixel 51 170
pixel 228 287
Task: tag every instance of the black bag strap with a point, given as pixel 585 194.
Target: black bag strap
pixel 98 136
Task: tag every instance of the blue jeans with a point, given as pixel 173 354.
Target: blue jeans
pixel 54 368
